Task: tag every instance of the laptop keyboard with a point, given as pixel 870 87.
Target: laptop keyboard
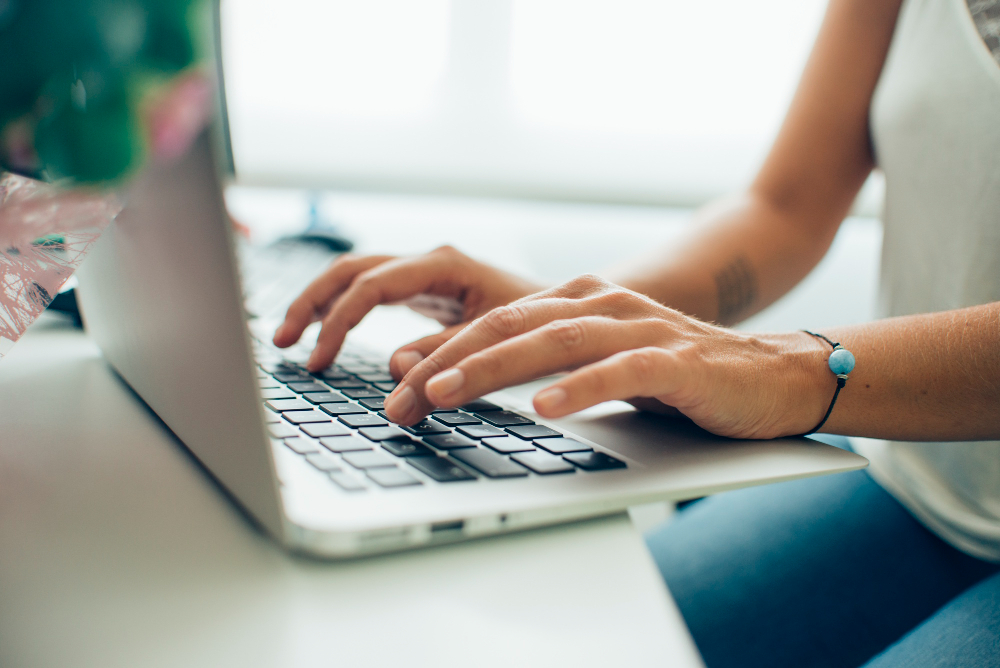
pixel 334 420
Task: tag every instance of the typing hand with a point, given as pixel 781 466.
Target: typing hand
pixel 354 285
pixel 619 344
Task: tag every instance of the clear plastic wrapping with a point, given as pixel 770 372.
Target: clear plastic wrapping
pixel 45 232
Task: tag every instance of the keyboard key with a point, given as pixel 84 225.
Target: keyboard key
pixel 356 367
pixel 333 374
pixel 543 463
pixel 340 444
pixel 480 431
pixel 425 427
pixel 278 367
pixel 440 469
pixel 392 478
pixel 325 429
pixel 480 406
pixel 346 482
pixel 384 433
pixel 360 366
pixel 363 393
pixel 346 383
pixel 323 462
pixel 373 404
pixel 268 383
pixel 449 441
pixel 341 409
pixel 490 463
pixel 302 445
pixel 563 445
pixel 441 411
pixel 362 420
pixel 408 449
pixel 277 393
pixel 307 387
pixel 282 430
pixel 282 405
pixel 455 419
pixel 594 461
pixel 508 444
pixel 386 386
pixel 368 459
pixel 301 417
pixel 271 417
pixel 324 397
pixel 533 431
pixel 295 377
pixel 503 418
pixel 377 377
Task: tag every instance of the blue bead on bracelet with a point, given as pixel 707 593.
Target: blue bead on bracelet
pixel 841 360
pixel 841 363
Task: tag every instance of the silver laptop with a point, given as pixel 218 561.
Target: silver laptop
pixel 309 457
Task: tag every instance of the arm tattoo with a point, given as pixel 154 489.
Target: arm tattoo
pixel 737 289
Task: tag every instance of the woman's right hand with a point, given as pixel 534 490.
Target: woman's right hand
pixel 354 285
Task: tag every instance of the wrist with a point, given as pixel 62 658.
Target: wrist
pixel 806 383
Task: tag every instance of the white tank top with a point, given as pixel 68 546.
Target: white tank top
pixel 935 120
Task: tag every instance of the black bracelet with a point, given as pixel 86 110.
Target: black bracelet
pixel 841 363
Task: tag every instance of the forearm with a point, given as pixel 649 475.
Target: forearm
pixel 743 255
pixel 925 377
pixel 749 251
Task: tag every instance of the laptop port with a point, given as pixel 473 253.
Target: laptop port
pixel 440 528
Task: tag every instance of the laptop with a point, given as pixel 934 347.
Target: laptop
pixel 311 458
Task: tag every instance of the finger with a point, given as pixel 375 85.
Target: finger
pixel 314 301
pixel 390 281
pixel 412 354
pixel 408 403
pixel 557 346
pixel 642 372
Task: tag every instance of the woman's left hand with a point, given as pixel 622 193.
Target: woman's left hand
pixel 618 344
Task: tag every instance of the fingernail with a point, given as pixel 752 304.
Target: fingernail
pixel 446 382
pixel 550 398
pixel 313 363
pixel 408 359
pixel 401 402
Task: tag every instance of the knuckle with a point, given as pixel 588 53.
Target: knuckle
pixel 587 282
pixel 432 365
pixel 596 381
pixel 567 333
pixel 447 251
pixel 642 364
pixel 613 300
pixel 365 282
pixel 505 321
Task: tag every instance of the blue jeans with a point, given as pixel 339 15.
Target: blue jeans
pixel 828 571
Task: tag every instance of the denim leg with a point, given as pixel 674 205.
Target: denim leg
pixel 965 633
pixel 825 571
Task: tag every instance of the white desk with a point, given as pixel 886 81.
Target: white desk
pixel 117 549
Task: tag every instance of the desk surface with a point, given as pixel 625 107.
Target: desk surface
pixel 117 549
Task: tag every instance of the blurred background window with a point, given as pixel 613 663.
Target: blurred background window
pixel 643 101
